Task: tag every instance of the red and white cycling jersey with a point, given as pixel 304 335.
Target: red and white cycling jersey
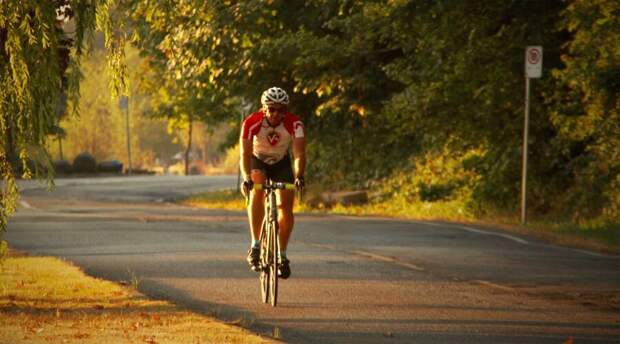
pixel 271 144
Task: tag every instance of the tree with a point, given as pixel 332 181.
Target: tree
pixel 35 68
pixel 586 109
pixel 391 88
pixel 186 88
pixel 100 127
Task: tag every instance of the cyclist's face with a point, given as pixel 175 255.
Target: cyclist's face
pixel 275 112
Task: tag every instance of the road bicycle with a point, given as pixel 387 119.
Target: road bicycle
pixel 269 241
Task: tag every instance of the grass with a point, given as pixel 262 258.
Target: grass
pixel 222 199
pixel 47 300
pixel 225 199
pixel 593 235
pixel 604 234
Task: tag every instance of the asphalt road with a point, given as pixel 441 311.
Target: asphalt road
pixel 355 280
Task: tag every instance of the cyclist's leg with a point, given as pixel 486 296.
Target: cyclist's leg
pixel 283 172
pixel 256 212
pixel 256 208
pixel 286 219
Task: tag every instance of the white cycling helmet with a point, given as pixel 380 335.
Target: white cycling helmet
pixel 274 95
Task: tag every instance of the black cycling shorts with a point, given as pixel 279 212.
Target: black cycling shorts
pixel 281 171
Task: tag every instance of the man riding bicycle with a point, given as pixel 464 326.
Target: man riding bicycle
pixel 266 136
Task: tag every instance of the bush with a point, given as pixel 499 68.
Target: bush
pixel 84 163
pixel 62 166
pixel 231 161
pixel 111 166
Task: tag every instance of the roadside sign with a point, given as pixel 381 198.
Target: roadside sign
pixel 123 102
pixel 533 61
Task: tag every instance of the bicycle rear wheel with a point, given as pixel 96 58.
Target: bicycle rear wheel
pixel 264 264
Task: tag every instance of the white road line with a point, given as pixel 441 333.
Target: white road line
pixel 592 253
pixel 507 236
pixel 516 239
pixel 387 260
pixel 478 231
pixel 495 285
pixel 368 255
pixel 26 205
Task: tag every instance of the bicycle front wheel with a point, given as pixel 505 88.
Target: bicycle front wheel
pixel 273 266
pixel 264 264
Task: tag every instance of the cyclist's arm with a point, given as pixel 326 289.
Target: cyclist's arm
pixel 245 148
pixel 299 153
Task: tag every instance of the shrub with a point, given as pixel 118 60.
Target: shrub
pixel 111 166
pixel 84 163
pixel 62 166
pixel 230 164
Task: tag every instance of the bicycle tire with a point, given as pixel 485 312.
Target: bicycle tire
pixel 273 266
pixel 264 271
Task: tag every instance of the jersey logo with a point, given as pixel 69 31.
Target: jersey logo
pixel 273 138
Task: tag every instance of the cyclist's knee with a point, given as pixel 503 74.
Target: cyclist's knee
pixel 285 210
pixel 258 176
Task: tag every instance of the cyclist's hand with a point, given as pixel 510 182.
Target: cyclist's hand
pixel 246 187
pixel 300 183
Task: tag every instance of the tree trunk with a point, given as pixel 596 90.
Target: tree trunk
pixel 11 153
pixel 189 147
pixel 60 148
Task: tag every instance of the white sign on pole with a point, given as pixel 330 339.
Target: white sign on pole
pixel 123 102
pixel 533 61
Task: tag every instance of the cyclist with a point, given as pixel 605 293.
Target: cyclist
pixel 266 136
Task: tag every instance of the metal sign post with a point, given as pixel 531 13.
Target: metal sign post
pixel 124 105
pixel 533 69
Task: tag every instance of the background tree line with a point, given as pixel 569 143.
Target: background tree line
pixel 158 143
pixel 421 101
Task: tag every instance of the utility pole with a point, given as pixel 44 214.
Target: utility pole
pixel 124 105
pixel 60 148
pixel 526 126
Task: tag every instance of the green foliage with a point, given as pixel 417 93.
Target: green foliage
pixel 39 68
pixel 379 83
pixel 4 250
pixel 586 108
pixel 100 128
pixel 422 100
pixel 31 84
